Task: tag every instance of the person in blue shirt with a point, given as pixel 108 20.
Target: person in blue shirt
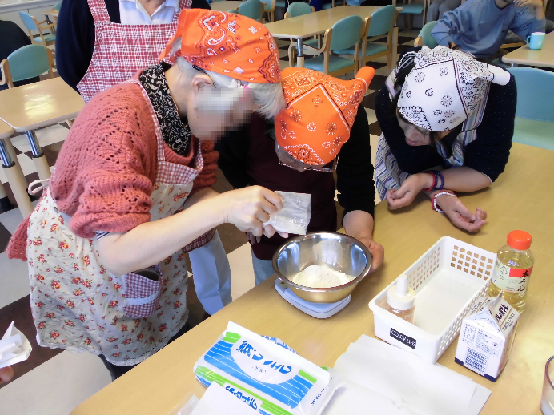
pixel 480 26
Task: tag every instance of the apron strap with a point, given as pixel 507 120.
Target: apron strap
pixel 37 186
pixel 99 11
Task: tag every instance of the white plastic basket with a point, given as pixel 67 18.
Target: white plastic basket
pixel 448 279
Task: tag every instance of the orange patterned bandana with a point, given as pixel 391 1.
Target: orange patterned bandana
pixel 229 44
pixel 320 113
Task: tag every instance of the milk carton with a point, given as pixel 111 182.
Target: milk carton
pixel 486 338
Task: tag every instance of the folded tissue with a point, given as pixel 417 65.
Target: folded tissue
pixel 14 347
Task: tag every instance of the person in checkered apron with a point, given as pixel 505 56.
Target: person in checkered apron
pixel 132 187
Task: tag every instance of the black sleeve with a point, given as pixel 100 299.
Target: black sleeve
pixel 74 41
pixel 233 156
pixel 200 4
pixel 410 159
pixel 354 170
pixel 489 152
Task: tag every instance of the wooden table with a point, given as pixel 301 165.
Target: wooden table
pixel 312 24
pixel 52 12
pixel 32 106
pixel 526 56
pixel 517 200
pixel 223 6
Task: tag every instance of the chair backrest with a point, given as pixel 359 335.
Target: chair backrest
pixel 535 89
pixel 427 36
pixel 252 9
pixel 346 32
pixel 28 21
pixel 382 21
pixel 58 6
pixel 29 62
pixel 299 8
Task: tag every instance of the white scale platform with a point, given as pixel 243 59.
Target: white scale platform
pixel 317 310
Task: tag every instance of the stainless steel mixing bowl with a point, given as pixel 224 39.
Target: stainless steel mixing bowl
pixel 340 252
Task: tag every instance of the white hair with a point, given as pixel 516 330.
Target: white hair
pixel 267 97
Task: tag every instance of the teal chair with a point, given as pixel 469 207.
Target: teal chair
pixel 270 8
pixel 379 24
pixel 252 8
pixel 57 6
pixel 415 8
pixel 344 34
pixel 33 25
pixel 426 35
pixel 25 63
pixel 534 124
pixel 296 9
pixel 327 6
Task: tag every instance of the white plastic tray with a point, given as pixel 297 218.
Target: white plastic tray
pixel 447 279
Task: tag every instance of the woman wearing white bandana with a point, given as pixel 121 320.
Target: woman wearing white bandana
pixel 441 109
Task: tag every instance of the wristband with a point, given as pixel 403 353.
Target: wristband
pixel 434 181
pixel 434 200
pixel 439 184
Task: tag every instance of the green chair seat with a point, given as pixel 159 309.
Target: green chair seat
pixel 534 133
pixel 372 49
pixel 336 63
pixel 48 38
pixel 412 8
pixel 311 42
pixel 327 6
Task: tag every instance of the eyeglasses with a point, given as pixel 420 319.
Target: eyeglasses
pixel 285 159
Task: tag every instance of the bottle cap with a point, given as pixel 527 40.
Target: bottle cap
pixel 520 240
pixel 399 295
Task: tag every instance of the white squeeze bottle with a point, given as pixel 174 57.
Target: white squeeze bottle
pixel 400 300
pixel 514 264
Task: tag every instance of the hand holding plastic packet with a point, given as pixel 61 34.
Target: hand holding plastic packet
pixel 14 347
pixel 295 215
pixel 265 376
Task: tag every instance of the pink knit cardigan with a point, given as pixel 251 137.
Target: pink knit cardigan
pixel 107 166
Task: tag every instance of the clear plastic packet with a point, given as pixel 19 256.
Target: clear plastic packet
pixel 265 375
pixel 295 215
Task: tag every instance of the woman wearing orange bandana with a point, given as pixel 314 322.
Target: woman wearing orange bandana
pixel 320 132
pixel 130 190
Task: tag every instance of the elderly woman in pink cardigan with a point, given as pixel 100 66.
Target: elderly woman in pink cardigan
pixel 104 244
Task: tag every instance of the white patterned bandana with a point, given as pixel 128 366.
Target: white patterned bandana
pixel 445 87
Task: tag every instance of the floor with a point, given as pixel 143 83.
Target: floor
pixel 58 380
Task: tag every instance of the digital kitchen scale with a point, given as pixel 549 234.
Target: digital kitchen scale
pixel 317 310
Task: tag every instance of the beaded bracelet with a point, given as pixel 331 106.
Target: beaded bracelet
pixel 434 200
pixel 440 179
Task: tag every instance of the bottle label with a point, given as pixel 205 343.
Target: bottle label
pixel 510 279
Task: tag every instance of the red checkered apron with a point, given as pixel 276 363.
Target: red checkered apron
pixel 120 50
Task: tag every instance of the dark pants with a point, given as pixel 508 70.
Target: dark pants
pixel 117 371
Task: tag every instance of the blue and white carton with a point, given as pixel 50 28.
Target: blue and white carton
pixel 267 376
pixel 486 338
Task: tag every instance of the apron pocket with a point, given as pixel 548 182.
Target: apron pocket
pixel 142 292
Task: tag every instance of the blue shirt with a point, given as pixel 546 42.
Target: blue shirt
pixel 479 26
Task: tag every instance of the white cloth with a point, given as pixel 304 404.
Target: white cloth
pixel 383 377
pixel 445 87
pixel 212 275
pixel 131 12
pixel 14 347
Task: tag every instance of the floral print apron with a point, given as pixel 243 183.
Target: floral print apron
pixel 79 306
